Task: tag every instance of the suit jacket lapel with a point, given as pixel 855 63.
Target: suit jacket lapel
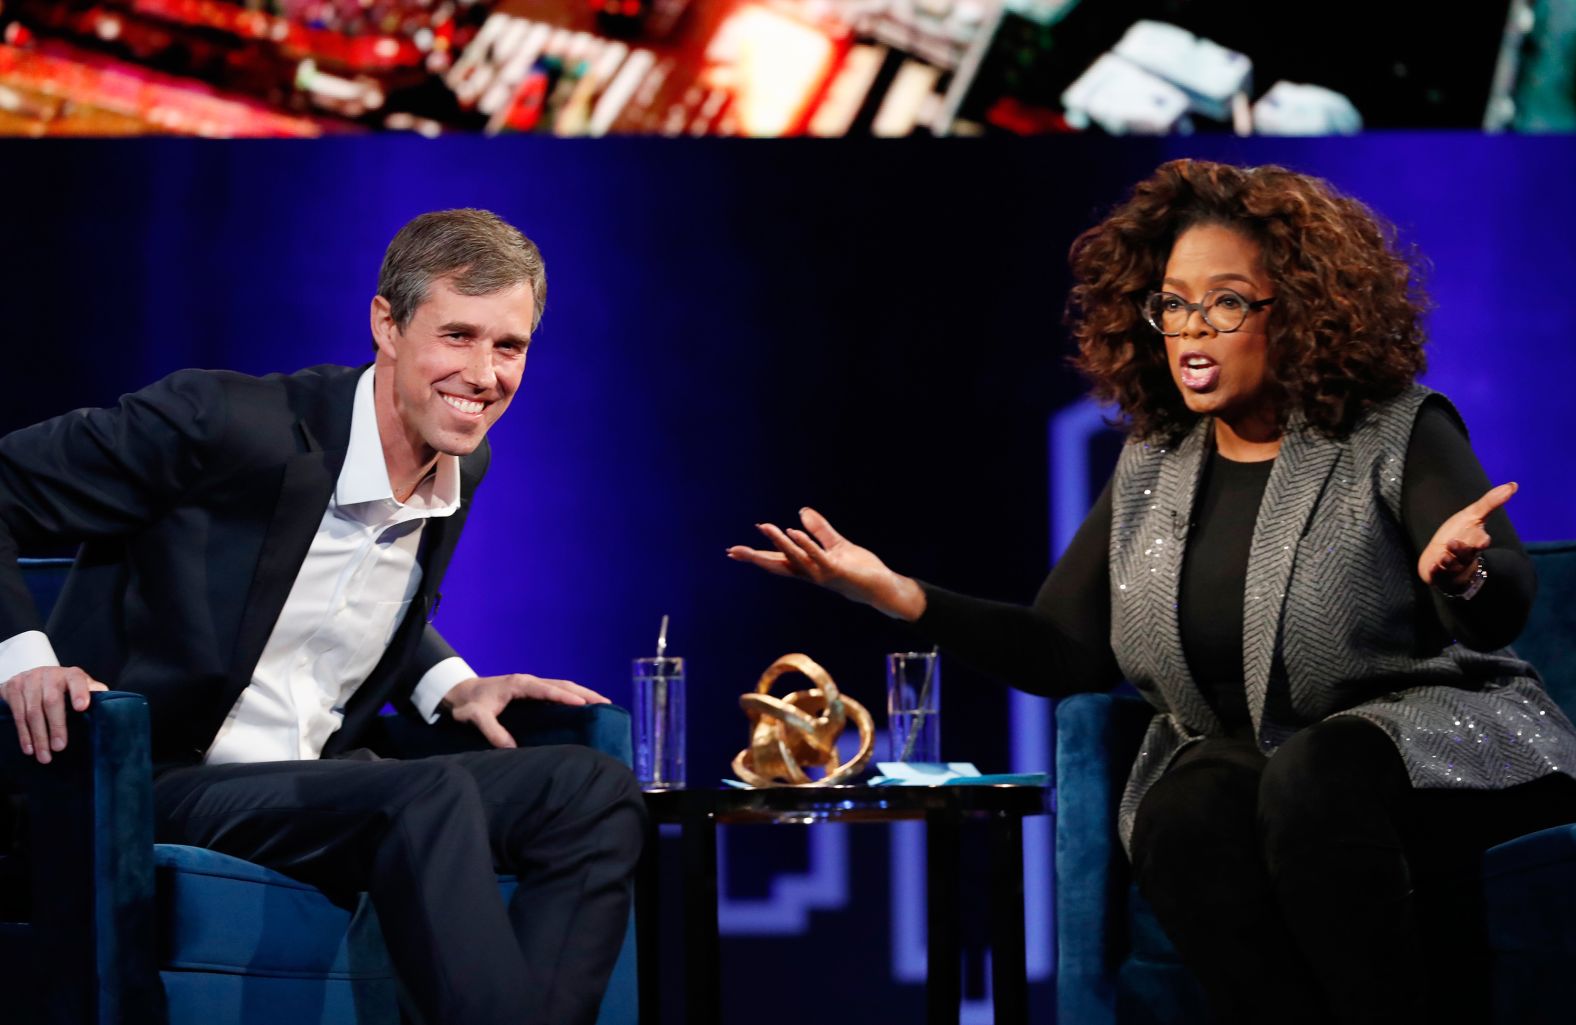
pixel 442 534
pixel 306 483
pixel 1291 495
pixel 1179 477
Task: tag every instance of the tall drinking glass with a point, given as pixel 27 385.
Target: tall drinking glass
pixel 914 705
pixel 659 722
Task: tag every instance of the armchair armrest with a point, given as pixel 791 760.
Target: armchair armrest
pixel 88 953
pixel 1529 893
pixel 603 727
pixel 1097 736
pixel 532 724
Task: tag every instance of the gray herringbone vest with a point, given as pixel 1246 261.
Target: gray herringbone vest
pixel 1329 616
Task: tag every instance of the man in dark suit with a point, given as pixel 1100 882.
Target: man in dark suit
pixel 259 558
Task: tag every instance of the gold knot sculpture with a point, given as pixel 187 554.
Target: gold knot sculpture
pixel 792 733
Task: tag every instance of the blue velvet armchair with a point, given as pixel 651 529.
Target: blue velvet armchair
pixel 1115 965
pixel 99 924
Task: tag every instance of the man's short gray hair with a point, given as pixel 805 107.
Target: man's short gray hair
pixel 476 250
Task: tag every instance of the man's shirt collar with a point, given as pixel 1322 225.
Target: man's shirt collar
pixel 365 476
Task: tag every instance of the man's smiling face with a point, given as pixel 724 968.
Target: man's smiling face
pixel 455 366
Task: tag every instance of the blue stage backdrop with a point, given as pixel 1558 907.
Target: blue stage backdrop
pixel 734 330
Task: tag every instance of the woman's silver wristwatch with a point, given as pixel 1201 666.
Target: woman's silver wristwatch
pixel 1474 585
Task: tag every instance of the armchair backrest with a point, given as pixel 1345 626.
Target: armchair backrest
pixel 45 578
pixel 1549 639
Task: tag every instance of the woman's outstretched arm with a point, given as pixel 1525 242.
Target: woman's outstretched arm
pixel 1059 645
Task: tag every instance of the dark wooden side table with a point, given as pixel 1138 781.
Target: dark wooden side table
pixel 944 809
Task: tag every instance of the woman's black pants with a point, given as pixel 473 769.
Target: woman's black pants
pixel 1318 886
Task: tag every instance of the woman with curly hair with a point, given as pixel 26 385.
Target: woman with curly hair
pixel 1302 566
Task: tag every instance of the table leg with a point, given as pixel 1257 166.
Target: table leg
pixel 702 950
pixel 943 920
pixel 1009 968
pixel 648 912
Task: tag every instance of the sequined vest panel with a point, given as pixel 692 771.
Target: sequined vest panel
pixel 1329 616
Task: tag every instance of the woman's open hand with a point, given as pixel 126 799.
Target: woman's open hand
pixel 822 556
pixel 1449 558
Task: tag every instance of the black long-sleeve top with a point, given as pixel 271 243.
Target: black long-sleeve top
pixel 1061 644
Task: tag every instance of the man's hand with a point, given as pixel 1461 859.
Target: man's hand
pixel 38 705
pixel 1447 561
pixel 481 699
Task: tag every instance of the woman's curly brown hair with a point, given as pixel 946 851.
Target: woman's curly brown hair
pixel 1345 331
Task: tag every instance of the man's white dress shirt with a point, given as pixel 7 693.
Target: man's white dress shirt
pixel 347 602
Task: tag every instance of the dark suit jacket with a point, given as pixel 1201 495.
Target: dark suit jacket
pixel 195 501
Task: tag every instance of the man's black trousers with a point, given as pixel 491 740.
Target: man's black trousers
pixel 425 839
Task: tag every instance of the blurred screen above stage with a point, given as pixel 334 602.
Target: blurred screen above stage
pixel 828 68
